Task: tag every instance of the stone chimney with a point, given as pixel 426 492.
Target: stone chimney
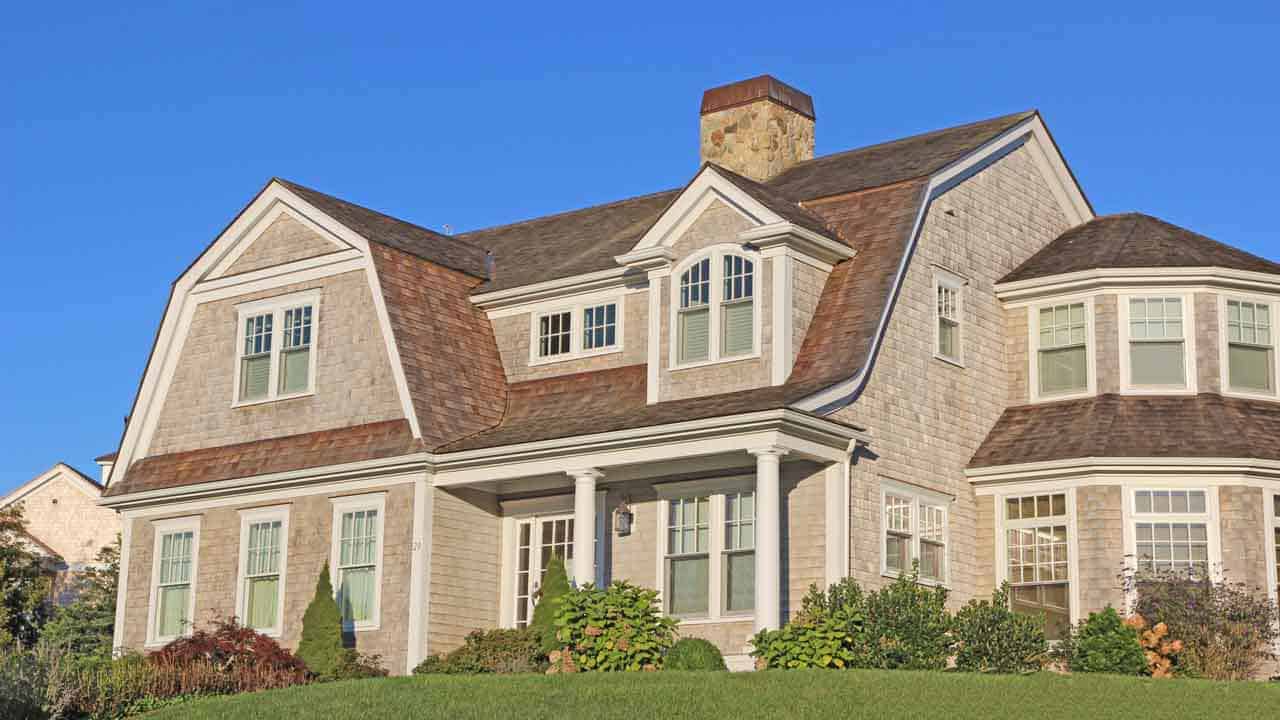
pixel 758 127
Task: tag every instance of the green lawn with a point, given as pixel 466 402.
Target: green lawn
pixel 794 694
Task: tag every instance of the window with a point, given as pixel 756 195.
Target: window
pixel 357 559
pixel 1275 544
pixel 1157 343
pixel 1171 532
pixel 554 334
pixel 172 604
pixel 538 540
pixel 264 537
pixel 948 310
pixel 715 313
pixel 1062 357
pixel 1038 565
pixel 695 314
pixel 688 546
pixel 568 333
pixel 275 348
pixel 1250 348
pixel 739 552
pixel 915 530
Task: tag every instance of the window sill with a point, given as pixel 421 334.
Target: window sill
pixel 361 627
pixel 895 575
pixel 277 398
pixel 1248 395
pixel 717 361
pixel 1158 390
pixel 950 361
pixel 1058 397
pixel 569 357
pixel 714 620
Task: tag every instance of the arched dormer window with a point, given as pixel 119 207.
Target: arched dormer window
pixel 716 315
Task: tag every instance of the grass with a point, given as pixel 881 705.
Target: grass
pixel 792 694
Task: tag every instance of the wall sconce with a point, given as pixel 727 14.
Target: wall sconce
pixel 623 519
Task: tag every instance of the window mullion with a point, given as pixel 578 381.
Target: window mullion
pixel 715 556
pixel 715 302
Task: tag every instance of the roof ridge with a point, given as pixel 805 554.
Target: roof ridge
pixel 564 213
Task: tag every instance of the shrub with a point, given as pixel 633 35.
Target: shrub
pixel 84 628
pixel 989 637
pixel 232 647
pixel 24 586
pixel 616 628
pixel 491 651
pixel 321 647
pixel 1158 649
pixel 824 634
pixel 693 654
pixel 1104 643
pixel 353 665
pixel 22 681
pixel 555 585
pixel 1227 629
pixel 905 626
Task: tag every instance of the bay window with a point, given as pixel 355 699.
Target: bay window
pixel 1171 532
pixel 1157 342
pixel 1062 361
pixel 1037 553
pixel 1250 353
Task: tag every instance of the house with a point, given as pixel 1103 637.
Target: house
pixel 790 370
pixel 64 523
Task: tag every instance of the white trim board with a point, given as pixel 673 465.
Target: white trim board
pixel 1185 279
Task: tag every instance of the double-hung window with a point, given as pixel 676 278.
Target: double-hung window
pixel 709 558
pixel 567 333
pixel 1062 361
pixel 1037 558
pixel 915 531
pixel 173 579
pixel 948 313
pixel 739 552
pixel 275 345
pixel 1157 342
pixel 1171 532
pixel 688 555
pixel 715 309
pixel 1251 365
pixel 357 559
pixel 264 537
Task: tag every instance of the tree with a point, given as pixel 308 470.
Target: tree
pixel 555 585
pixel 84 628
pixel 24 584
pixel 321 646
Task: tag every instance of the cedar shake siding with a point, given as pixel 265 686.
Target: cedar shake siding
pixel 286 240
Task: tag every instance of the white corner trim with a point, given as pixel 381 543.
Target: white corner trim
pixel 122 584
pixel 420 571
pixel 654 340
pixel 782 305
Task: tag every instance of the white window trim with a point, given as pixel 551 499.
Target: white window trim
pixel 353 503
pixel 715 305
pixel 1188 345
pixel 277 307
pixel 1033 344
pixel 1130 518
pixel 918 496
pixel 1003 525
pixel 1224 367
pixel 160 528
pixel 248 518
pixel 578 316
pixel 715 489
pixel 951 281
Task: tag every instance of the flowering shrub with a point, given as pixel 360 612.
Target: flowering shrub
pixel 989 637
pixel 491 651
pixel 616 628
pixel 1158 649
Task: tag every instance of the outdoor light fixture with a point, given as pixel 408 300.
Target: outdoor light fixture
pixel 622 519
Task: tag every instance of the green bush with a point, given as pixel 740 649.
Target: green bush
pixel 824 634
pixel 1103 643
pixel 620 627
pixel 693 654
pixel 321 645
pixel 989 637
pixel 555 585
pixel 490 651
pixel 23 679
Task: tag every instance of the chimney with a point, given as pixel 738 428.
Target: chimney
pixel 758 127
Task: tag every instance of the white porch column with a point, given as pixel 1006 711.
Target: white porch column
pixel 768 537
pixel 584 524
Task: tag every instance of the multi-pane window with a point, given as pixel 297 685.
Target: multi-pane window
pixel 600 326
pixel 739 564
pixel 1036 549
pixel 173 584
pixel 1062 355
pixel 1171 532
pixel 358 566
pixel 1250 348
pixel 538 540
pixel 737 322
pixel 555 332
pixel 695 314
pixel 915 530
pixel 262 574
pixel 1157 344
pixel 688 562
pixel 295 356
pixel 255 362
pixel 948 317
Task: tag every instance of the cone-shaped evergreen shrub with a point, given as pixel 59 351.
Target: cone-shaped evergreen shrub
pixel 555 585
pixel 321 645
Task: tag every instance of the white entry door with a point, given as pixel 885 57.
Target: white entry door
pixel 537 540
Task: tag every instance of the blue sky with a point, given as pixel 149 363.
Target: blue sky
pixel 130 135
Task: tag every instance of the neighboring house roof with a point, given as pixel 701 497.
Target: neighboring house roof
pixel 393 232
pixel 1133 240
pixel 105 458
pixel 372 441
pixel 1113 426
pixel 86 483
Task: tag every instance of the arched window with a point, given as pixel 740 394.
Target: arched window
pixel 716 299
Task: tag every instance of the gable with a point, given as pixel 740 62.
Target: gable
pixel 62 515
pixel 286 239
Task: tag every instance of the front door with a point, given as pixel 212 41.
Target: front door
pixel 537 540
